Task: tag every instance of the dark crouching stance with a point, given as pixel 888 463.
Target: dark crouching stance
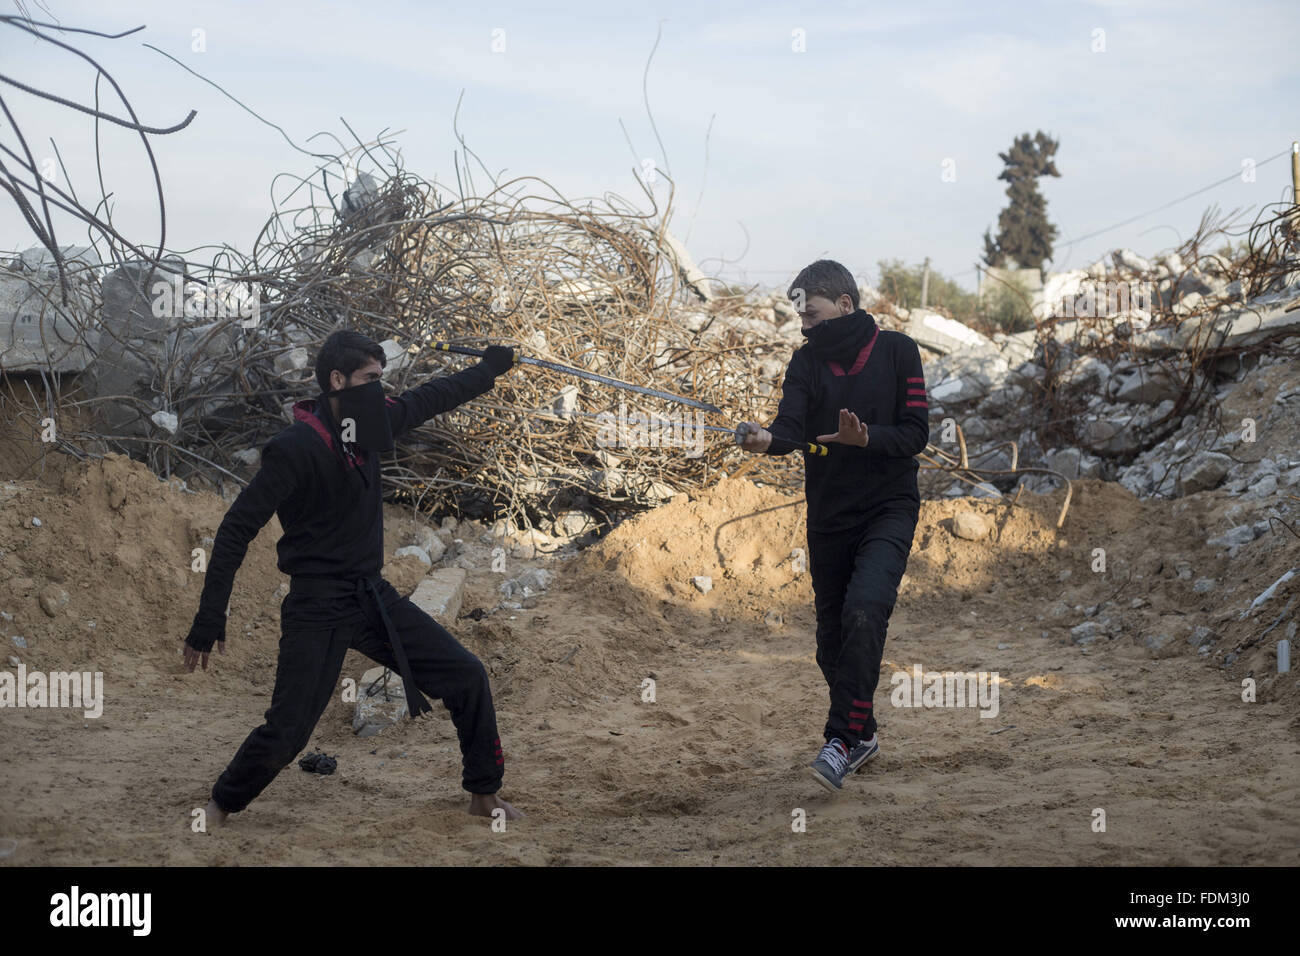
pixel 320 476
pixel 861 387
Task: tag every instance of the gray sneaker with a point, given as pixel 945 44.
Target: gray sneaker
pixel 831 764
pixel 863 751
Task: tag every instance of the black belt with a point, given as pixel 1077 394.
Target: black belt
pixel 360 588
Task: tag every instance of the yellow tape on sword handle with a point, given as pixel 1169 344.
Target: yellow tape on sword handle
pixel 784 444
pixel 811 448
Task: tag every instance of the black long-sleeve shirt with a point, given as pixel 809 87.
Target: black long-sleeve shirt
pixel 327 498
pixel 884 385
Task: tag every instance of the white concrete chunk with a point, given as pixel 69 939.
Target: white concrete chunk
pixel 440 594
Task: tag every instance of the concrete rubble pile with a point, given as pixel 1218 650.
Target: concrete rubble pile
pixel 1139 388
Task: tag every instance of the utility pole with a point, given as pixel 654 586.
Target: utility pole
pixel 1295 172
pixel 1295 180
pixel 925 276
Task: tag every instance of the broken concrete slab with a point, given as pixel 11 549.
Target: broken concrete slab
pixel 1066 461
pixel 1109 438
pixel 1003 401
pixel 1016 348
pixel 1086 633
pixel 957 390
pixel 966 375
pixel 381 702
pixel 942 334
pixel 440 594
pixel 38 332
pixel 1233 537
pixel 1085 372
pixel 530 583
pixel 1205 470
pixel 1266 318
pixel 291 360
pixel 434 544
pixel 1148 387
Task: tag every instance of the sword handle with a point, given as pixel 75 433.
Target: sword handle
pixel 781 445
pixel 457 349
pixel 807 447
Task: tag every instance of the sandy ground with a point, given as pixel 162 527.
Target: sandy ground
pixel 714 769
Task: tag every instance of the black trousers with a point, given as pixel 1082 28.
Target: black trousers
pixel 315 635
pixel 855 577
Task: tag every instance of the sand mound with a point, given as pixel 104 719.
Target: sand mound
pixel 748 540
pixel 118 542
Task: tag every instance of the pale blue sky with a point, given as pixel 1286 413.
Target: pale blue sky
pixel 837 151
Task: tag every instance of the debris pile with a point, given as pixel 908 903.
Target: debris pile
pixel 1170 376
pixel 193 368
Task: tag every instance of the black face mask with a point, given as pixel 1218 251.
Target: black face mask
pixel 831 338
pixel 363 417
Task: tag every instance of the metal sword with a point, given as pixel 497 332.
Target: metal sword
pixel 779 444
pixel 583 373
pixel 738 433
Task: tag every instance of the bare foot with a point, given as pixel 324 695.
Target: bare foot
pixel 482 805
pixel 214 816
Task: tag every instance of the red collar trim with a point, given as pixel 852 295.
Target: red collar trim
pixel 305 411
pixel 861 361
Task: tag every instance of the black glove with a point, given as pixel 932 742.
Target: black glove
pixel 203 634
pixel 499 359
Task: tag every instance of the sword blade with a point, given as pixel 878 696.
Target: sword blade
pixel 736 433
pixel 625 386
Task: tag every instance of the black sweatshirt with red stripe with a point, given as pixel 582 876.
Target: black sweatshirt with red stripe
pixel 876 374
pixel 326 495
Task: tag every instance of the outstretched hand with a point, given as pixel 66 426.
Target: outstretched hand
pixel 852 431
pixel 193 656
